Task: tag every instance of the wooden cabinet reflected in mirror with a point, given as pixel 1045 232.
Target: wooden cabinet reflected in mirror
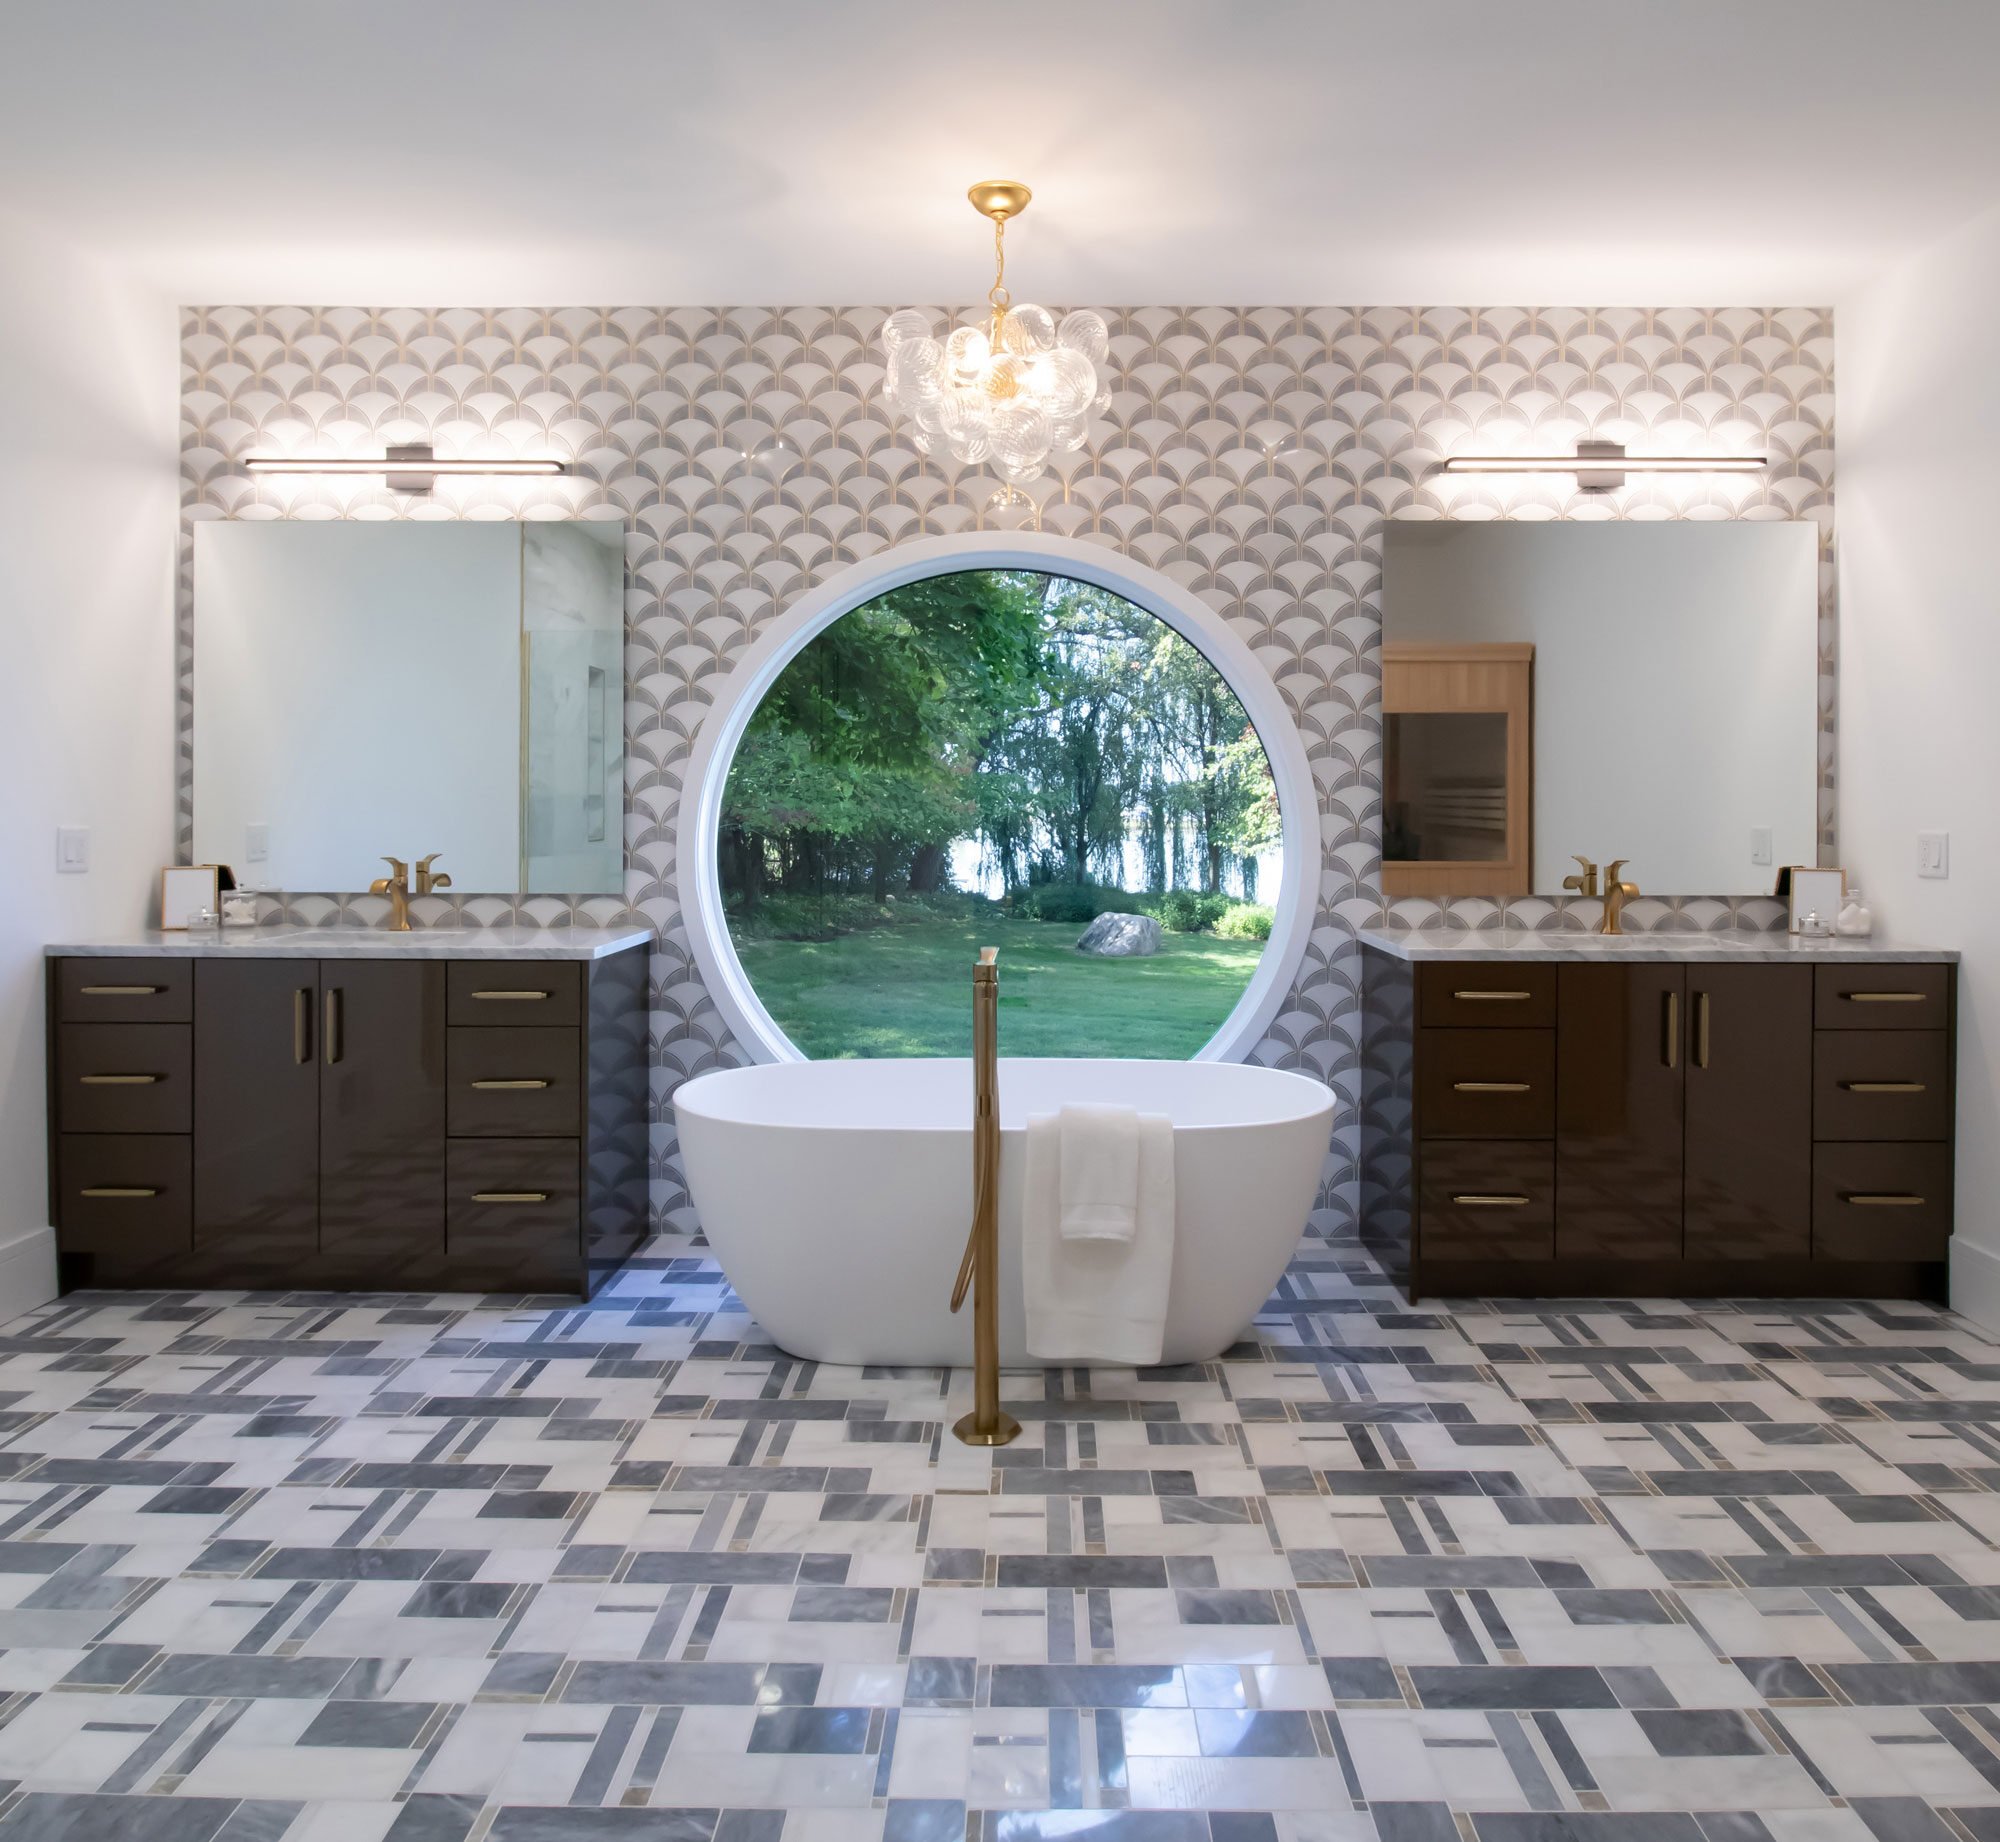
pixel 1458 768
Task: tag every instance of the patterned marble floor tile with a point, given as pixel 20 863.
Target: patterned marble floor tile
pixel 299 1569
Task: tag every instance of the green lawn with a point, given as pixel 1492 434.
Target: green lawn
pixel 907 990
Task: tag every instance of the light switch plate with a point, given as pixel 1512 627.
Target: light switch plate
pixel 256 843
pixel 1934 853
pixel 72 849
pixel 1760 844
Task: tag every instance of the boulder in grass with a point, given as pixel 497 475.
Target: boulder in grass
pixel 1121 937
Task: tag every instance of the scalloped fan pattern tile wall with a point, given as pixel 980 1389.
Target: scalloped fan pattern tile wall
pixel 1252 454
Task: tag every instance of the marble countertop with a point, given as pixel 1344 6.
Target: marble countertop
pixel 362 943
pixel 1742 946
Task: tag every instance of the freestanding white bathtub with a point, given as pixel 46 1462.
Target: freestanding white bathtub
pixel 837 1195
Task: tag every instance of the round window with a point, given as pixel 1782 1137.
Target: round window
pixel 999 757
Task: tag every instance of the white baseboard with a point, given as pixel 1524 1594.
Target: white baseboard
pixel 27 1272
pixel 1975 1282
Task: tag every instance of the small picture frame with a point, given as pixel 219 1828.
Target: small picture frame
pixel 1814 891
pixel 185 890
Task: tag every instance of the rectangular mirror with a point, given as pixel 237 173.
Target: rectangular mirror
pixel 1647 691
pixel 366 689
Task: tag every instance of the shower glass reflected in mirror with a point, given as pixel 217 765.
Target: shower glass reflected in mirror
pixel 999 758
pixel 367 688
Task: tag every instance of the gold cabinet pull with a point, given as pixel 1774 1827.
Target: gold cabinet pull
pixel 1489 1087
pixel 121 991
pixel 503 1087
pixel 1701 1029
pixel 1883 1087
pixel 1883 1199
pixel 115 1189
pixel 332 1031
pixel 120 1080
pixel 1883 997
pixel 302 1025
pixel 510 1195
pixel 1671 1030
pixel 1493 997
pixel 1491 1202
pixel 511 997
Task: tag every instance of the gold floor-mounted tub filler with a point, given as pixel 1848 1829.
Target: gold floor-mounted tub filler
pixel 979 1271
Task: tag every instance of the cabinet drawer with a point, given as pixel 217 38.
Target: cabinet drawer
pixel 514 992
pixel 1881 1202
pixel 124 990
pixel 1881 1084
pixel 1488 1201
pixel 125 1204
pixel 512 1215
pixel 1486 1083
pixel 513 1083
pixel 1881 997
pixel 123 1077
pixel 1479 996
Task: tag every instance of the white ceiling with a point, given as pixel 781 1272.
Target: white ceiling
pixel 771 151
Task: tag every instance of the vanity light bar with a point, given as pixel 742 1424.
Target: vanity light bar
pixel 1645 463
pixel 280 463
pixel 1601 465
pixel 408 468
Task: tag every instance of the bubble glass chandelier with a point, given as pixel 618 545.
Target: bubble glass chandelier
pixel 1010 391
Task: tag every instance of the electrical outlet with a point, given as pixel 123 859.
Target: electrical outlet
pixel 256 843
pixel 1933 853
pixel 72 849
pixel 1760 844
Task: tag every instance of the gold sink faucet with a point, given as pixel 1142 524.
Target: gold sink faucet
pixel 1586 883
pixel 429 880
pixel 397 888
pixel 1616 894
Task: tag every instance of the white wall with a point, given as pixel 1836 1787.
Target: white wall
pixel 88 486
pixel 1919 396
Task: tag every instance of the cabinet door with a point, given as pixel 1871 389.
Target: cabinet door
pixel 1618 1111
pixel 256 1120
pixel 1749 1112
pixel 381 1120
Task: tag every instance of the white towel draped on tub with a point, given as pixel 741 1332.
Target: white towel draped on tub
pixel 1097 1300
pixel 1100 1172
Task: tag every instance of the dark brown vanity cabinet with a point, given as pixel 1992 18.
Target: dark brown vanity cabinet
pixel 349 1124
pixel 1699 1126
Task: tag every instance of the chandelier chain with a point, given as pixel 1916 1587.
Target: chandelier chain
pixel 997 296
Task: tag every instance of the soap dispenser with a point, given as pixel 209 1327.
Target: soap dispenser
pixel 1856 922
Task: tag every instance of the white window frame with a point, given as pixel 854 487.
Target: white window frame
pixel 699 875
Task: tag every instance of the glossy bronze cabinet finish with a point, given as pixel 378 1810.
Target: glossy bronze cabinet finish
pixel 125 1206
pixel 1618 1111
pixel 256 1119
pixel 336 1131
pixel 1734 1128
pixel 1882 1202
pixel 513 1215
pixel 1881 1084
pixel 123 1077
pixel 1489 1199
pixel 124 990
pixel 515 993
pixel 1748 1177
pixel 381 1119
pixel 617 1105
pixel 1882 997
pixel 1487 1084
pixel 515 1083
pixel 1477 997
